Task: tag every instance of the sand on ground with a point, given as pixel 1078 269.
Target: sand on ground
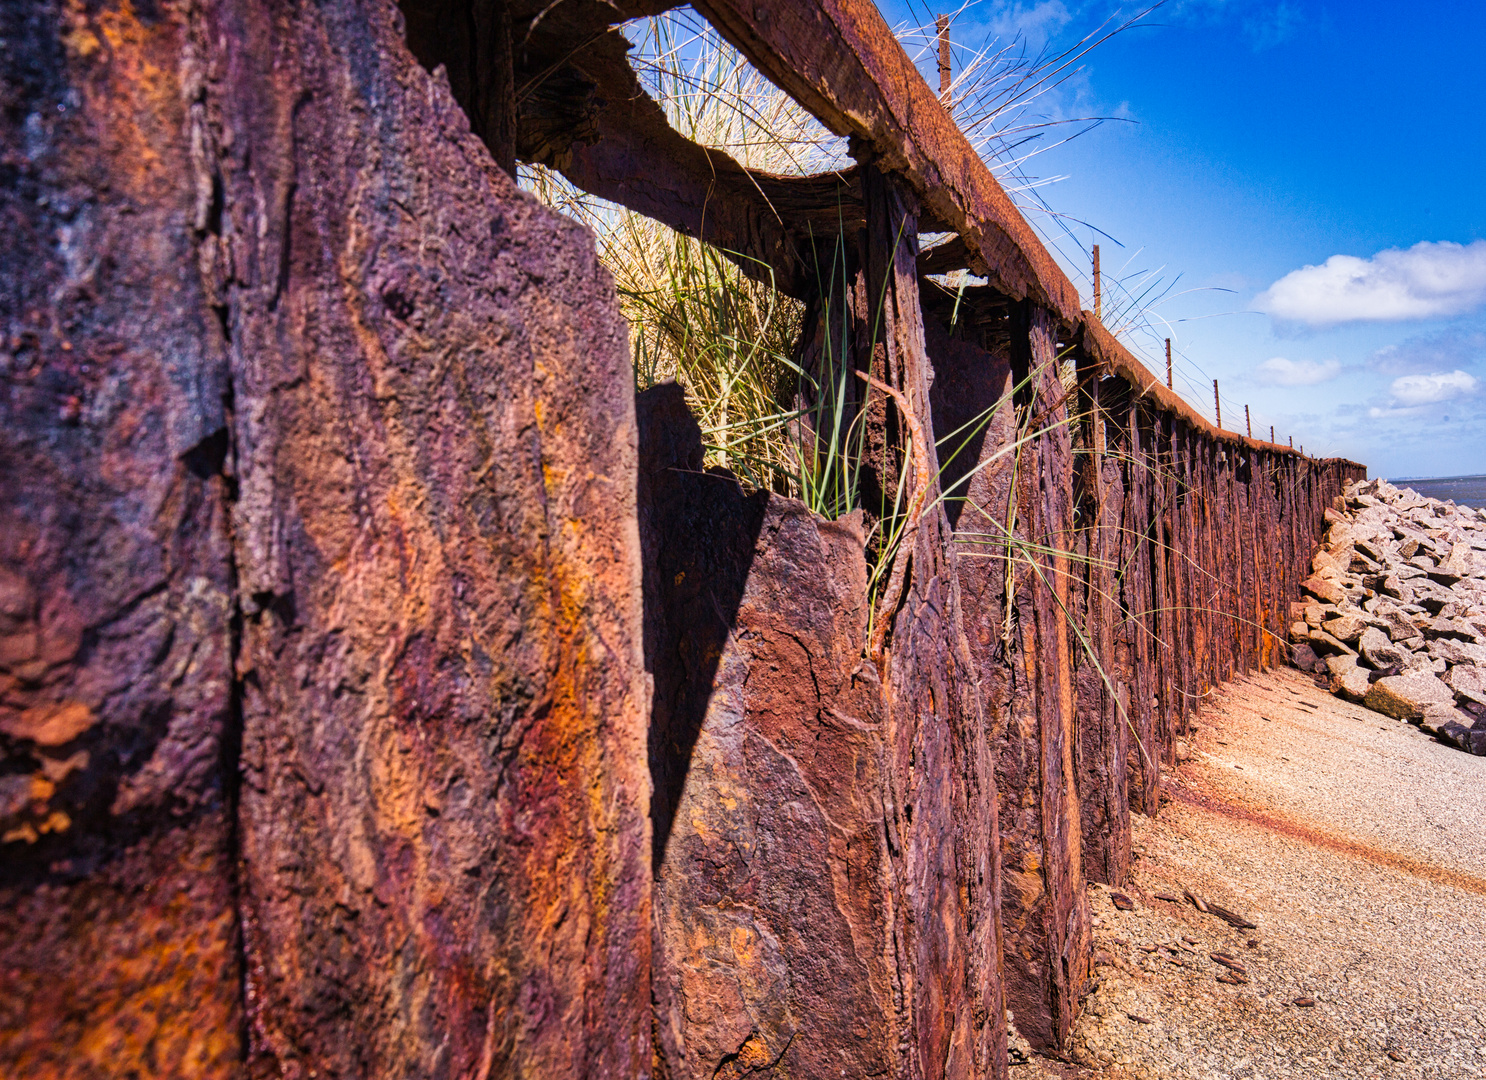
pixel 1356 843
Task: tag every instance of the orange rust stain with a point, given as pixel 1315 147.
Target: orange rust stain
pixel 163 978
pixel 157 996
pixel 53 724
pixel 1310 834
pixel 139 91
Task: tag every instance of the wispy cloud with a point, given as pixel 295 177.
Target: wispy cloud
pixel 1455 347
pixel 1411 393
pixel 1035 22
pixel 1429 280
pixel 1277 371
pixel 1263 23
pixel 1270 26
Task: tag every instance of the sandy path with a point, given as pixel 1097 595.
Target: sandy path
pixel 1358 846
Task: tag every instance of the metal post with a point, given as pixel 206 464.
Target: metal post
pixel 1246 421
pixel 1168 365
pixel 1217 408
pixel 1292 442
pixel 1271 433
pixel 1098 305
pixel 944 95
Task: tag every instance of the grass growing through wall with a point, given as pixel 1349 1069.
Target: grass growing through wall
pixel 694 316
pixel 727 339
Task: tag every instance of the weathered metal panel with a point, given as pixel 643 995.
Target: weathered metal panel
pixel 774 894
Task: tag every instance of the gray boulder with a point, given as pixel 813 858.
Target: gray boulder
pixel 1347 628
pixel 1457 652
pixel 1468 681
pixel 1436 717
pixel 1403 697
pixel 1378 650
pixel 1443 626
pixel 1325 589
pixel 1347 678
pixel 1325 644
pixel 1462 737
pixel 1395 621
pixel 1325 558
pixel 1304 657
pixel 1459 563
pixel 1392 585
pixel 1315 614
pixel 1432 598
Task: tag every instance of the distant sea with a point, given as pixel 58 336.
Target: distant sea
pixel 1463 490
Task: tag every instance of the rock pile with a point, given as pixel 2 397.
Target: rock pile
pixel 1396 612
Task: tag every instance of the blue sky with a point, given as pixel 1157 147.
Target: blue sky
pixel 1276 167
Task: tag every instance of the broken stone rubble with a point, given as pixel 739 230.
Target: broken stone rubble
pixel 1395 610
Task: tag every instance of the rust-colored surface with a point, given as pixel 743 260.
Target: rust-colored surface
pixel 1043 902
pixel 443 816
pixel 323 701
pixel 1143 759
pixel 1166 604
pixel 118 942
pixel 130 968
pixel 773 894
pixel 1024 650
pixel 942 800
pixel 1101 681
pixel 1163 606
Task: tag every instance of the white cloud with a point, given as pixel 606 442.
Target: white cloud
pixel 1411 393
pixel 1277 371
pixel 1427 281
pixel 1034 22
pixel 1427 389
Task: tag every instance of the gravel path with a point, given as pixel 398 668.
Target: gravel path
pixel 1358 847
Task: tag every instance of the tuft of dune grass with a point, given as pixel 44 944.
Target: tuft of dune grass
pixel 729 340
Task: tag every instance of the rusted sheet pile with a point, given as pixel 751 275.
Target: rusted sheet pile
pixel 379 698
pixel 317 520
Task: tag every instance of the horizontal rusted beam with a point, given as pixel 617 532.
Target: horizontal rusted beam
pixel 953 254
pixel 581 110
pixel 839 59
pixel 762 221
